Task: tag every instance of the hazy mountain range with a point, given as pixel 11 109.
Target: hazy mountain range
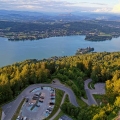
pixel 39 16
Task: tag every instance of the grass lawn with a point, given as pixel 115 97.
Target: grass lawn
pixel 91 85
pixel 99 98
pixel 80 102
pixel 104 34
pixel 67 98
pixel 18 110
pixel 59 96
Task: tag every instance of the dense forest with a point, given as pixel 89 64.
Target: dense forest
pixel 39 30
pixel 73 70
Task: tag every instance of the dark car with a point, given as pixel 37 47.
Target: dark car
pixel 52 89
pixel 37 105
pixel 51 103
pixel 41 97
pixel 50 109
pixel 34 98
pixel 36 94
pixel 52 98
pixel 41 101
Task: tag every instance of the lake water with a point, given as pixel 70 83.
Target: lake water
pixel 11 52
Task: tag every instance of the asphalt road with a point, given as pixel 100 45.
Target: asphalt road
pixel 12 107
pixel 91 100
pixel 99 89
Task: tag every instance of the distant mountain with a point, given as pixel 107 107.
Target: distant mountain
pixel 43 16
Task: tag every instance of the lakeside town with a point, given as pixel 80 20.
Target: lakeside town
pixel 35 31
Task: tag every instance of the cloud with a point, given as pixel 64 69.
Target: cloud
pixel 89 4
pixel 103 10
pixel 51 5
pixel 37 5
pixel 116 8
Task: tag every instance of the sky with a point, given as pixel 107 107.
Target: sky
pixel 106 6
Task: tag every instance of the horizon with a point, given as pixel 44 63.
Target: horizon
pixel 62 6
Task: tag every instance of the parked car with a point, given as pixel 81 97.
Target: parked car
pixel 18 118
pixel 41 97
pixel 41 101
pixel 52 94
pixel 52 98
pixel 37 105
pixel 36 94
pixel 25 118
pixel 35 98
pixel 47 110
pixel 52 89
pixel 50 109
pixel 51 106
pixel 51 103
pixel 50 112
pixel 31 103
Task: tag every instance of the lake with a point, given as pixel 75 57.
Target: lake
pixel 16 51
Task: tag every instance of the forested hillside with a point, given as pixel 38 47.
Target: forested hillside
pixel 73 70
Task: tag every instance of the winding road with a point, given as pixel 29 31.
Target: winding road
pixel 99 89
pixel 10 108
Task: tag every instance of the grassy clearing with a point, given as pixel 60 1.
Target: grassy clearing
pixel 99 98
pixel 18 110
pixel 67 98
pixel 59 96
pixel 91 85
pixel 0 113
pixel 104 34
pixel 80 102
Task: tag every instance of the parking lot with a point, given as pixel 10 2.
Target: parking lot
pixel 39 104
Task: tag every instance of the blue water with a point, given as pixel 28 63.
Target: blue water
pixel 11 52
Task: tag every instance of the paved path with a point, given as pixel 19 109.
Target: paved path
pixel 14 105
pixel 99 89
pixel 91 100
pixel 3 116
pixel 59 108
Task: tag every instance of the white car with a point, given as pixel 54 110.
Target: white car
pixel 18 118
pixel 30 103
pixel 25 118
